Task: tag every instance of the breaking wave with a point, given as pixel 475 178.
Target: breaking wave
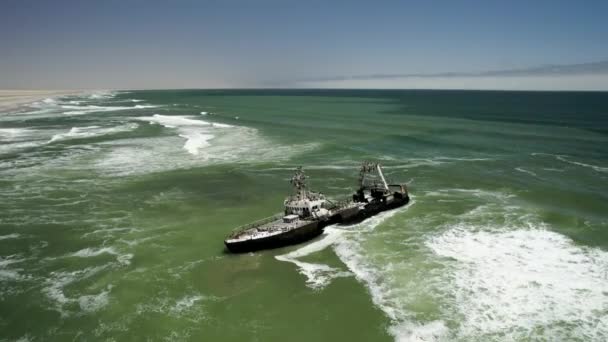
pixel 196 132
pixel 193 142
pixel 92 252
pixel 92 131
pixel 102 95
pixel 79 110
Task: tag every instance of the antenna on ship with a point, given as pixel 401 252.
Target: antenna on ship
pixel 299 183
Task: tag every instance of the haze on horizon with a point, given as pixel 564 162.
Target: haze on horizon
pixel 520 45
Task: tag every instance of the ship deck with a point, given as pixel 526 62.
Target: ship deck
pixel 266 230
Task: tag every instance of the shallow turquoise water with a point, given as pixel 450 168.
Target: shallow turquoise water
pixel 114 206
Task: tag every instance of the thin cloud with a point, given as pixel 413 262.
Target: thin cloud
pixel 594 68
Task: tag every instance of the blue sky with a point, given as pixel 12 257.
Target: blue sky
pixel 249 43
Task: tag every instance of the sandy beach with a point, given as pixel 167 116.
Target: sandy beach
pixel 10 99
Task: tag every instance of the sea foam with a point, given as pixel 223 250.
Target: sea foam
pixel 524 283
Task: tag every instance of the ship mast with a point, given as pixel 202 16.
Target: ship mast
pixel 370 168
pixel 381 176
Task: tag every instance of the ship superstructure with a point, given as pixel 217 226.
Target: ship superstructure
pixel 305 215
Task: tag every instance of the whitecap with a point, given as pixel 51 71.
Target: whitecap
pixel 93 252
pixel 15 134
pixel 93 303
pixel 10 274
pixel 10 236
pixel 216 124
pixel 185 303
pixel 197 133
pixel 173 121
pixel 521 169
pixel 123 259
pixel 102 95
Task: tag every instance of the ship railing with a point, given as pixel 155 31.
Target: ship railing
pixel 257 223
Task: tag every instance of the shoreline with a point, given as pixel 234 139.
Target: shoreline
pixel 13 99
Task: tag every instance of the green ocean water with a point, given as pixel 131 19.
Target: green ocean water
pixel 114 207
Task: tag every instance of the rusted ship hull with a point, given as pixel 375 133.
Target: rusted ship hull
pixel 290 237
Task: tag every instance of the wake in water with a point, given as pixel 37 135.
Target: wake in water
pixel 320 275
pixel 317 275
